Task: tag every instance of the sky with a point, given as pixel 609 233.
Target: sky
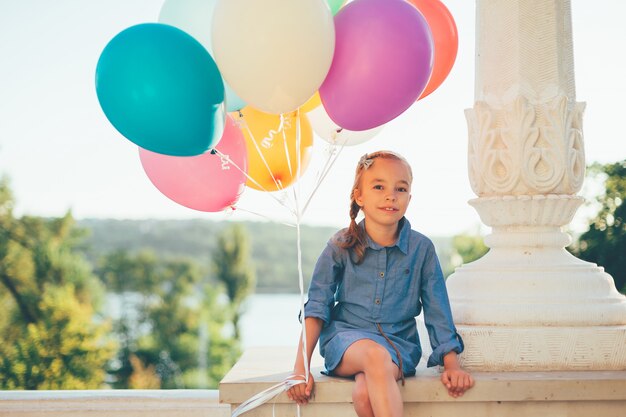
pixel 61 153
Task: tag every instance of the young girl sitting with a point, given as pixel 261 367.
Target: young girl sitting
pixel 369 284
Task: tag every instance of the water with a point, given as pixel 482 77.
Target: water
pixel 272 320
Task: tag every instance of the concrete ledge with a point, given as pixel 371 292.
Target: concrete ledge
pixel 566 393
pixel 120 403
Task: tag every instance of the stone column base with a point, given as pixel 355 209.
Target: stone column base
pixel 496 348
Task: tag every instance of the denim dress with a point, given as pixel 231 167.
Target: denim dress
pixel 389 288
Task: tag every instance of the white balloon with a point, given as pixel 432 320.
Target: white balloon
pixel 275 54
pixel 332 133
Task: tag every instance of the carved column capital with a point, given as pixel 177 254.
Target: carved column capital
pixel 526 148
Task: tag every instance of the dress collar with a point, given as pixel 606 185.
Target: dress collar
pixel 403 237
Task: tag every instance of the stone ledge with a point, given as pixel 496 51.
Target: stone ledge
pixel 122 403
pixel 571 393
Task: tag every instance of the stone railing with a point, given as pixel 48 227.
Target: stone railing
pixel 108 403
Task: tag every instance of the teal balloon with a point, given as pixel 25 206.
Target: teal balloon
pixel 161 89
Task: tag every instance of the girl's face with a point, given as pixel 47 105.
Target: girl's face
pixel 384 191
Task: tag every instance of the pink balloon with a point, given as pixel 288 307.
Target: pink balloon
pixel 382 63
pixel 204 182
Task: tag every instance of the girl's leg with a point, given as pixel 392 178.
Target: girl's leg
pixel 360 397
pixel 380 374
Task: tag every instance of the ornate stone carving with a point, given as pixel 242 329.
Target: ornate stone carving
pixel 527 210
pixel 526 148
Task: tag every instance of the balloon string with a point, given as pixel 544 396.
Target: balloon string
pixel 265 395
pixel 256 146
pixel 318 175
pixel 324 174
pixel 230 161
pixel 287 155
pixel 297 195
pixel 261 215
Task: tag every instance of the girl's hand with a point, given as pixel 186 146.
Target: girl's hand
pixel 457 381
pixel 302 392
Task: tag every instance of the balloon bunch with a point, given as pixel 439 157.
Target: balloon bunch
pixel 224 94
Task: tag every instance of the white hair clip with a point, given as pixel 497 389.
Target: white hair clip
pixel 365 161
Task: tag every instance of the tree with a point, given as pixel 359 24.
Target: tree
pixel 605 241
pixel 231 265
pixel 170 323
pixel 51 335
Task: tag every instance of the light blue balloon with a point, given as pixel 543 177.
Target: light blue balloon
pixel 161 89
pixel 233 101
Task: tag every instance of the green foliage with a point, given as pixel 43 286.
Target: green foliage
pixel 469 247
pixel 232 268
pixel 50 336
pixel 62 350
pixel 605 241
pixel 170 325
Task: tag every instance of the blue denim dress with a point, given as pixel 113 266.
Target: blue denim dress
pixel 389 288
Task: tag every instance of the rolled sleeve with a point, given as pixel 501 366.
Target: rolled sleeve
pixel 326 276
pixel 437 314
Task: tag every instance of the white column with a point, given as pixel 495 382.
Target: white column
pixel 528 304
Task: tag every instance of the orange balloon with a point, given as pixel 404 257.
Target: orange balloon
pixel 277 168
pixel 445 40
pixel 311 104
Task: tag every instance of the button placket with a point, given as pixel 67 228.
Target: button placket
pixel 380 283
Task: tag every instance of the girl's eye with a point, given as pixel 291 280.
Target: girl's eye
pixel 378 187
pixel 402 190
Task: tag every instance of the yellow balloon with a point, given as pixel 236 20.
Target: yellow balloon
pixel 272 154
pixel 311 104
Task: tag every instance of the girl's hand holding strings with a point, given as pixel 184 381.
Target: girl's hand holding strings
pixel 301 393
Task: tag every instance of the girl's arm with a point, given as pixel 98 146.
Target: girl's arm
pixel 302 392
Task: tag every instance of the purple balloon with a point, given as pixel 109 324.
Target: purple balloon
pixel 383 60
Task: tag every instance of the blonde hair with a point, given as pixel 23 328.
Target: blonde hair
pixel 354 238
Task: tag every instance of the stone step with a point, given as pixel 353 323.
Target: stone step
pixel 564 393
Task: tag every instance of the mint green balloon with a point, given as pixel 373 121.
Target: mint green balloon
pixel 335 5
pixel 196 18
pixel 161 89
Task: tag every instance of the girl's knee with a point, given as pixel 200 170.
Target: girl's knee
pixel 378 361
pixel 377 356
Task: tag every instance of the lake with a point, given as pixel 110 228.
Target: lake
pixel 272 320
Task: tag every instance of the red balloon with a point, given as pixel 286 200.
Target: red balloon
pixel 445 40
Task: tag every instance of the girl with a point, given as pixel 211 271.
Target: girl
pixel 369 284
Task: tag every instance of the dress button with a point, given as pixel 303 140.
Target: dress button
pixel 382 274
pixel 377 301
